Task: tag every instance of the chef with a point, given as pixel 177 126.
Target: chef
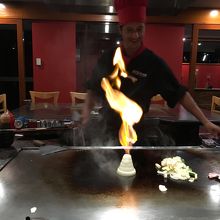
pixel 148 75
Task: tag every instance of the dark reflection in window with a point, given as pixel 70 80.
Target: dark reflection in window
pixel 187 39
pixel 9 64
pixel 208 50
pixel 92 39
pixel 8 51
pixel 27 24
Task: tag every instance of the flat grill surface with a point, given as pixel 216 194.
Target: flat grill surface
pixel 83 184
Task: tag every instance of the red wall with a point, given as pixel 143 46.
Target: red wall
pixel 166 41
pixel 185 74
pixel 212 72
pixel 54 43
pixel 169 47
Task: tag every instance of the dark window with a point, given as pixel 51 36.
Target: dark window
pixel 92 39
pixel 9 64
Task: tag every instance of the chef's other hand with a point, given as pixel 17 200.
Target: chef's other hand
pixel 213 129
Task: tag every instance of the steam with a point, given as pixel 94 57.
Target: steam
pixel 107 160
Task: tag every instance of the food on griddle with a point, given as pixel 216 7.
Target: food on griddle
pixel 126 167
pixel 175 168
pixel 214 176
pixel 208 142
pixel 162 188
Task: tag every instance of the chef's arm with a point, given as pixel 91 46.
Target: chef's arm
pixel 190 105
pixel 88 106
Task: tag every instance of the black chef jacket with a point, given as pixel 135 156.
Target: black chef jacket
pixel 149 76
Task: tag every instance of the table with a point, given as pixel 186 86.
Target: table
pixel 179 114
pixel 60 111
pixel 177 123
pixel 49 116
pixel 180 124
pixel 83 184
pixel 65 110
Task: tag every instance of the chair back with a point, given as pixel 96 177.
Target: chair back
pixel 44 96
pixel 3 103
pixel 158 99
pixel 215 107
pixel 77 96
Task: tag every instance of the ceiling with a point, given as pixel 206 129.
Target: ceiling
pixel 155 7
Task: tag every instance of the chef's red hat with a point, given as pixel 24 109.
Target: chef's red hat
pixel 130 10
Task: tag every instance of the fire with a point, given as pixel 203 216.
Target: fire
pixel 129 110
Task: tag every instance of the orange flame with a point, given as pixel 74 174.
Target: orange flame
pixel 129 110
pixel 119 65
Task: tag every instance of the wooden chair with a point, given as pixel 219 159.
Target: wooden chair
pixel 44 96
pixel 158 99
pixel 215 107
pixel 78 134
pixel 80 96
pixel 3 103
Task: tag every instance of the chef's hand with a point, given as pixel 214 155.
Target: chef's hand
pixel 213 129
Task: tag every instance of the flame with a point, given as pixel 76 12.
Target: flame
pixel 129 110
pixel 119 65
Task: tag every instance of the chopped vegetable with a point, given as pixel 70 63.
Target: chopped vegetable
pixel 162 188
pixel 214 176
pixel 175 168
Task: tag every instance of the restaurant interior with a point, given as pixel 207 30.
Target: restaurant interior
pixel 52 167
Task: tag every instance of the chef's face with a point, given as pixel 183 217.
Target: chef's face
pixel 132 35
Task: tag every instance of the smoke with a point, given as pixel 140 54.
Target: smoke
pixel 107 161
pixel 97 133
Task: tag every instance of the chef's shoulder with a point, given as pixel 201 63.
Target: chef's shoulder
pixel 104 65
pixel 153 58
pixel 106 57
pixel 103 68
